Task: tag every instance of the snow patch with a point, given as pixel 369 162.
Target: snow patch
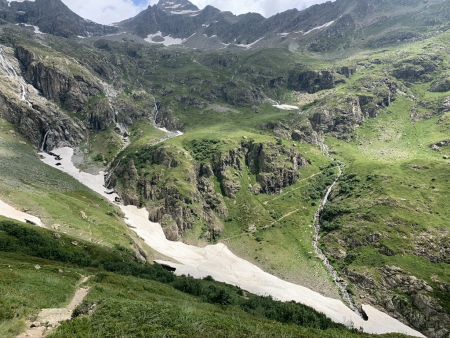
pixel 325 25
pixel 164 40
pixel 35 28
pixel 10 212
pixel 285 107
pixel 250 45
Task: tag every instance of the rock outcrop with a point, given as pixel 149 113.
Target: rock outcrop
pixel 311 81
pixel 341 115
pixel 37 119
pixel 44 126
pixel 180 192
pixel 417 69
pixel 68 85
pixel 275 166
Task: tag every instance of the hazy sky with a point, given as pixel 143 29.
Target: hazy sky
pixel 109 11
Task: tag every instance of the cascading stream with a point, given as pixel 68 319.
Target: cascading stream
pixel 10 72
pixel 331 270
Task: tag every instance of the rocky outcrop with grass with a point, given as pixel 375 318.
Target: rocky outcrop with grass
pixel 341 114
pixel 183 190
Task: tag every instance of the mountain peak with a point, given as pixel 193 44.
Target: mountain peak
pixel 177 6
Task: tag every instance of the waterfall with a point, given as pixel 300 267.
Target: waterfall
pixel 44 141
pixel 12 74
pixel 155 119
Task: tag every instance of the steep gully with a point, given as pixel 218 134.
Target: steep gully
pixel 316 238
pixel 216 261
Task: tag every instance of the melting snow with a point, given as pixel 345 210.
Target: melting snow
pixel 285 107
pixel 36 28
pixel 166 40
pixel 325 25
pixel 10 212
pixel 250 45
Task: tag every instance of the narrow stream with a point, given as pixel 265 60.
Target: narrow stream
pixel 342 286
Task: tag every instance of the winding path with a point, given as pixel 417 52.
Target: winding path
pixel 49 319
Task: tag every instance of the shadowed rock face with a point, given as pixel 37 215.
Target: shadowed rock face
pixel 39 120
pixel 68 90
pixel 78 93
pixel 43 125
pixel 311 81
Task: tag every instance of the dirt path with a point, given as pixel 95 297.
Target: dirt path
pixel 50 319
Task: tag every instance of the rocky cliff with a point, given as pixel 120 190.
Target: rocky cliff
pixel 68 85
pixel 39 120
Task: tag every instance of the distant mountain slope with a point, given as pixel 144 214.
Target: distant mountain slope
pixel 323 27
pixel 51 16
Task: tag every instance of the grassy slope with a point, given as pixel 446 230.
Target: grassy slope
pixel 407 199
pixel 400 187
pixel 56 198
pixel 132 300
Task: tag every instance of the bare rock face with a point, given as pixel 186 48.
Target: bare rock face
pixel 311 81
pixel 39 120
pixel 75 91
pixel 44 126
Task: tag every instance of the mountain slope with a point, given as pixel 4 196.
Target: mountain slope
pixel 324 27
pixel 51 16
pixel 280 152
pixel 45 268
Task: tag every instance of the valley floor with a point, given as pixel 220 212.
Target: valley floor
pixel 218 262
